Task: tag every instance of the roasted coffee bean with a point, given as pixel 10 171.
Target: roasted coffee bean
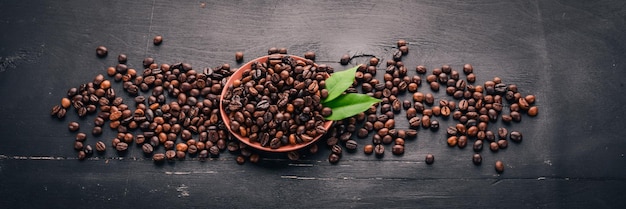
pixel 82 155
pixel 515 136
pixel 478 145
pixel 462 141
pixel 451 131
pixel 121 146
pixel 430 159
pixel 147 148
pixel 333 158
pixel 293 155
pixel 368 149
pixel 345 59
pixel 102 51
pixel 100 146
pixel 73 126
pixel 379 150
pixel 533 111
pixel 493 146
pixel 499 166
pixel 78 145
pixel 434 125
pixel 81 137
pixel 477 159
pixel 351 145
pixel 516 116
pixel 502 132
pixel 158 157
pixel 170 154
pixel 157 40
pixel 96 131
pixel 397 149
pixel 452 141
pixel 503 144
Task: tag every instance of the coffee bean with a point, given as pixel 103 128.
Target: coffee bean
pixel 78 145
pixel 169 154
pixel 96 131
pixel 452 141
pixel 462 141
pixel 157 40
pixel 503 144
pixel 351 145
pixel 333 158
pixel 493 146
pixel 102 51
pixel 147 148
pixel 477 159
pixel 478 146
pixel 499 166
pixel 430 159
pixel 502 132
pixel 515 136
pixel 159 157
pixel 293 155
pixel 397 149
pixel 121 146
pixel 533 111
pixel 336 149
pixel 345 59
pixel 100 146
pixel 81 137
pixel 379 150
pixel 368 149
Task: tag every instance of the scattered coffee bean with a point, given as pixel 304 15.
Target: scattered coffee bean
pixel 430 159
pixel 333 158
pixel 499 166
pixel 239 56
pixel 515 136
pixel 102 51
pixel 157 40
pixel 477 159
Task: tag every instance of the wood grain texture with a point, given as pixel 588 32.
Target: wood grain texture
pixel 568 53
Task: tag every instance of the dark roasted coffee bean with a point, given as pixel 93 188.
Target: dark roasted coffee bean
pixel 502 132
pixel 515 136
pixel 170 154
pixel 102 51
pixel 351 145
pixel 96 131
pixel 430 159
pixel 78 145
pixel 333 158
pixel 81 137
pixel 100 146
pixel 147 148
pixel 293 155
pixel 336 149
pixel 503 144
pixel 345 59
pixel 379 150
pixel 478 146
pixel 121 146
pixel 159 157
pixel 397 149
pixel 73 126
pixel 477 159
pixel 462 141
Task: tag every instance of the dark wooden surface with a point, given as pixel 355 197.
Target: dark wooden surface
pixel 568 53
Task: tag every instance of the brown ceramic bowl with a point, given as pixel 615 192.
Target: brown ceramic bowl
pixel 237 75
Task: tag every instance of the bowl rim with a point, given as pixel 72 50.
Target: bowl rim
pixel 256 145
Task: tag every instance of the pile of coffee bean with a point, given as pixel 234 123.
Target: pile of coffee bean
pixel 473 106
pixel 277 103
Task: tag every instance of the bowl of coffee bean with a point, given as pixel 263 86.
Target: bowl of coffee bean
pixel 273 103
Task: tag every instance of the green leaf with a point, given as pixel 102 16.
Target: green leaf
pixel 347 105
pixel 338 82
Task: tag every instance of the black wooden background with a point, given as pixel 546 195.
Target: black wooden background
pixel 570 54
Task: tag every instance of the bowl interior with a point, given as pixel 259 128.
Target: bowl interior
pixel 237 75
